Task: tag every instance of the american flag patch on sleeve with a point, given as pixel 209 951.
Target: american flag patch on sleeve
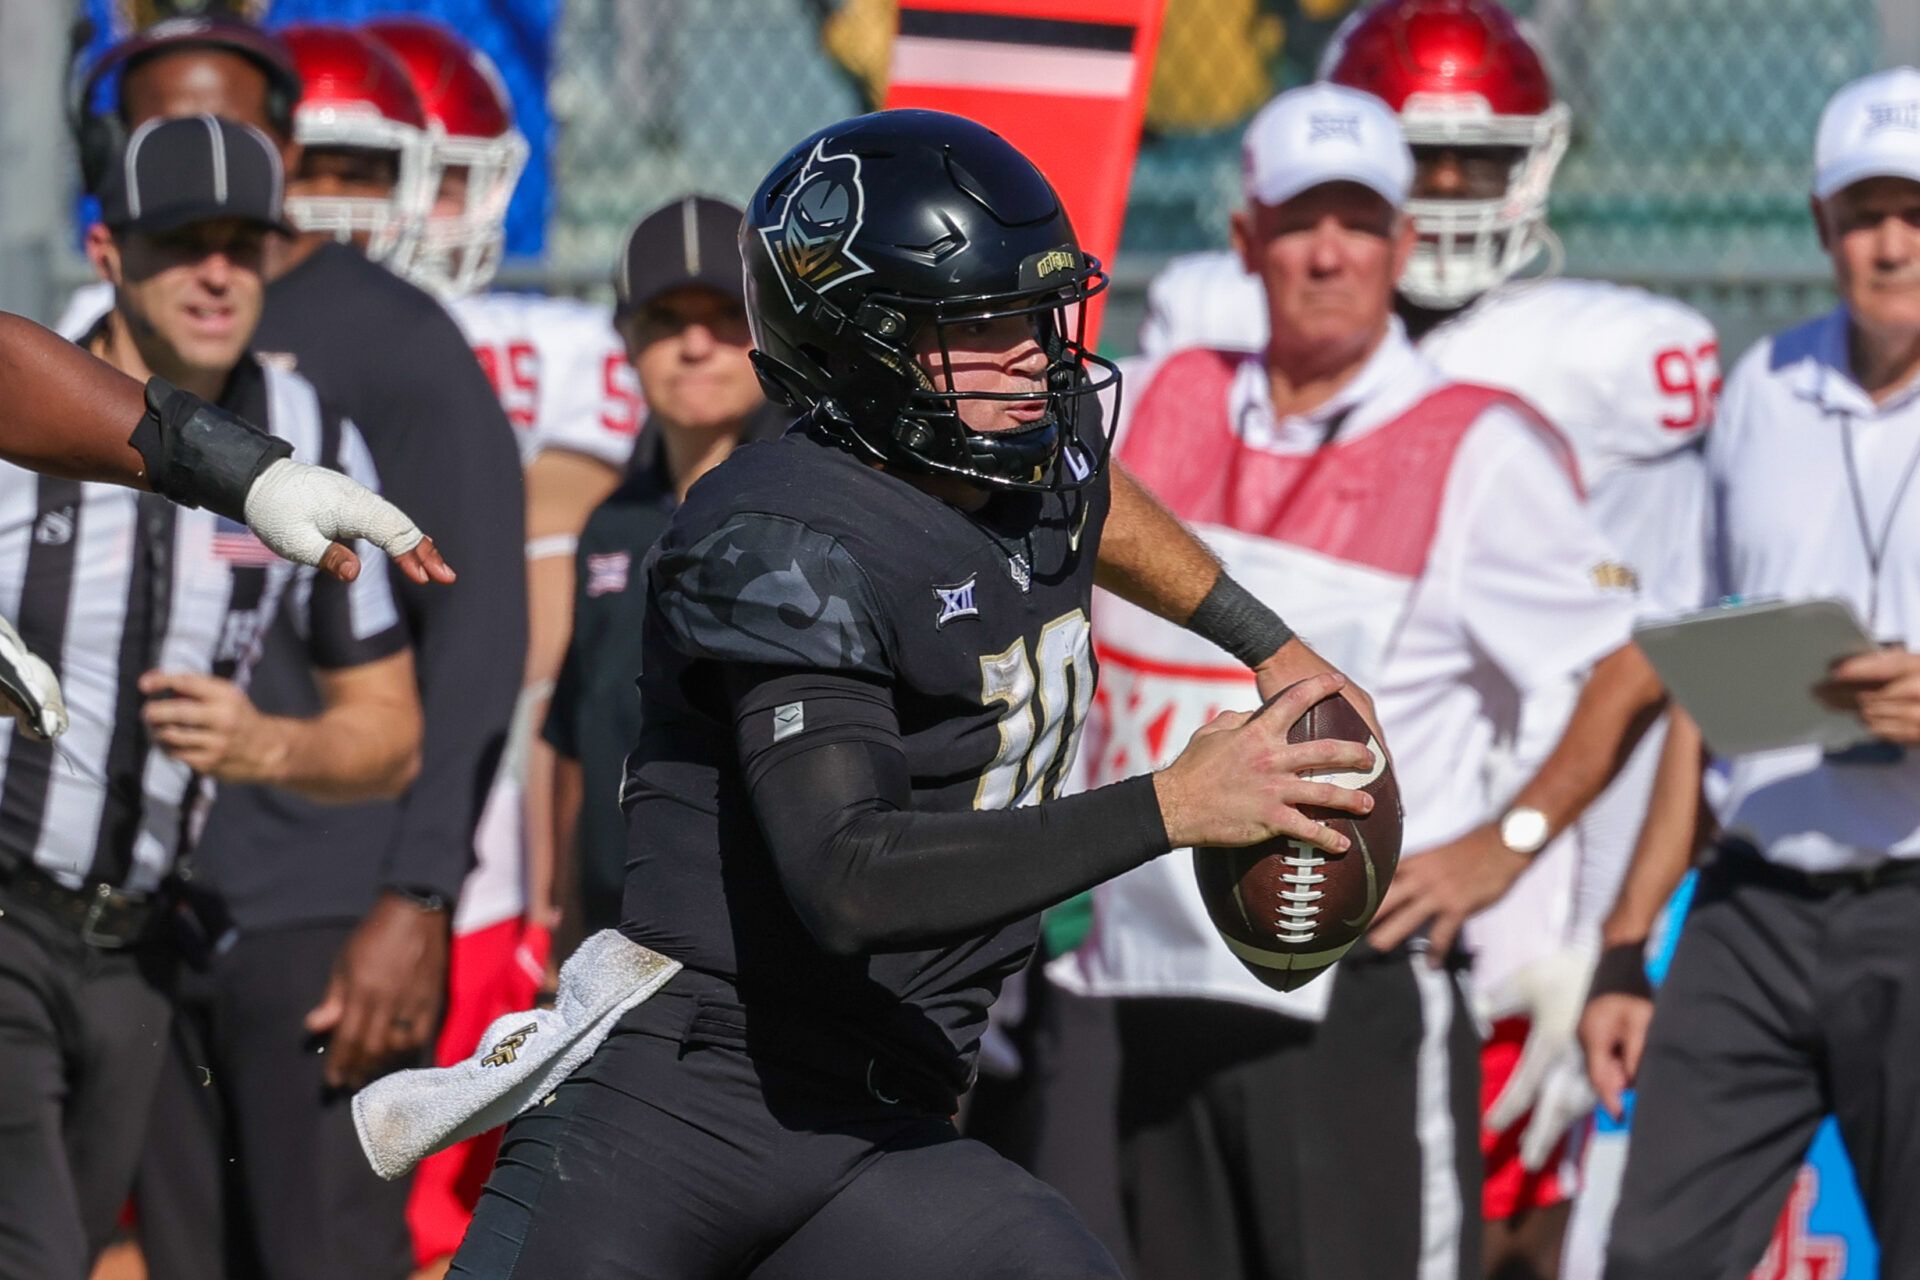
pixel 234 543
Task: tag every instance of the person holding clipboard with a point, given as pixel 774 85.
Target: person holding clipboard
pixel 1795 990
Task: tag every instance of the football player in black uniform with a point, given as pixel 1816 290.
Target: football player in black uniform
pixel 866 663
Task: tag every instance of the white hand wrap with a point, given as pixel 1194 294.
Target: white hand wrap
pixel 298 509
pixel 28 691
pixel 1550 1080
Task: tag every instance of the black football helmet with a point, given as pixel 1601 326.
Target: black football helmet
pixel 868 241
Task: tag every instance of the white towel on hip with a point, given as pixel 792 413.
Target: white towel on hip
pixel 407 1116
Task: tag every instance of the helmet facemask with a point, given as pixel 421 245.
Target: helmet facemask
pixel 458 252
pixel 1469 246
pixel 388 226
pixel 889 391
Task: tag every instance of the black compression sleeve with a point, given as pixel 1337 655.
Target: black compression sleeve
pixel 865 871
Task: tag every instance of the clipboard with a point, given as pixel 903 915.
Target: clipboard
pixel 1746 672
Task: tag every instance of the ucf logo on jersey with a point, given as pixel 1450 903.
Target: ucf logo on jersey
pixel 822 215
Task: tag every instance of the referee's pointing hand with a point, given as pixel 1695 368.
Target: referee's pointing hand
pixel 309 514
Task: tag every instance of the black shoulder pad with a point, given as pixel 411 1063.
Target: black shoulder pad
pixel 769 590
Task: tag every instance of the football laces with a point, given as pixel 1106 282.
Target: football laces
pixel 1299 913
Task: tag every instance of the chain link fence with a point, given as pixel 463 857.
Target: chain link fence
pixel 1688 169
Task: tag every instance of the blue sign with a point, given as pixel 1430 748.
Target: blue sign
pixel 517 34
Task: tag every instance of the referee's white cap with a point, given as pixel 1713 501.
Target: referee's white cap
pixel 1870 129
pixel 1322 133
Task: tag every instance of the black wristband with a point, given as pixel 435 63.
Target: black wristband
pixel 1621 971
pixel 1230 617
pixel 198 454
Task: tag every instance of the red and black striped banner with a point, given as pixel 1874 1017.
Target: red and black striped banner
pixel 1063 80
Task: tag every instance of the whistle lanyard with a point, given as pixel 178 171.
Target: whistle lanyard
pixel 1876 548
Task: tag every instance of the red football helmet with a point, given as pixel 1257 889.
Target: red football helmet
pixel 1461 73
pixel 478 154
pixel 357 96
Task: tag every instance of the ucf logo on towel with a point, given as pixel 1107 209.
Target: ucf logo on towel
pixel 507 1048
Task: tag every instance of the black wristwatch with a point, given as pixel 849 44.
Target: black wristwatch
pixel 424 898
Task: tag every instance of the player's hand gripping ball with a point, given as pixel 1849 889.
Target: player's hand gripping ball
pixel 1287 909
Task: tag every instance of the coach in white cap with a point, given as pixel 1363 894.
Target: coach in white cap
pixel 1430 538
pixel 1795 990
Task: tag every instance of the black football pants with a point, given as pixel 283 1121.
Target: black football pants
pixel 82 1032
pixel 669 1160
pixel 252 1169
pixel 1057 1118
pixel 1785 1002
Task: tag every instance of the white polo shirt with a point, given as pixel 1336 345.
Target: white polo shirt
pixel 1796 522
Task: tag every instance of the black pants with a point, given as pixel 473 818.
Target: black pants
pixel 81 1038
pixel 1784 1002
pixel 670 1159
pixel 1258 1146
pixel 1057 1119
pixel 252 1169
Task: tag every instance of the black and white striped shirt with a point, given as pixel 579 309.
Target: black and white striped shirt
pixel 106 583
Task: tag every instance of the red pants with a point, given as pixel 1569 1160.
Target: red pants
pixel 1509 1187
pixel 492 971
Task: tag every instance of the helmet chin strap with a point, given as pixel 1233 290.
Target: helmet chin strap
pixel 1029 449
pixel 1022 454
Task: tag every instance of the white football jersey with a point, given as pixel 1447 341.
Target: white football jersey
pixel 1631 380
pixel 1628 376
pixel 559 369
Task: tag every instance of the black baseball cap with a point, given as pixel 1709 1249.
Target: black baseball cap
pixel 186 169
pixel 694 240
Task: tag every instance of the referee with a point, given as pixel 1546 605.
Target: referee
pixel 109 585
pixel 1795 990
pixel 381 878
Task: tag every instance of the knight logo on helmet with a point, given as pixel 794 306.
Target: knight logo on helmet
pixel 1463 77
pixel 813 241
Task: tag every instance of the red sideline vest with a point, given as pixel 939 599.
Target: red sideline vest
pixel 1374 500
pixel 1337 540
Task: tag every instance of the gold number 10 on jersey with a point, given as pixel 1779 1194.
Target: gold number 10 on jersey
pixel 1035 751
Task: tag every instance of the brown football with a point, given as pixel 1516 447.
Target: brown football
pixel 1287 909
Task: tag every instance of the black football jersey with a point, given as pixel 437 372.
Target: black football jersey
pixel 794 554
